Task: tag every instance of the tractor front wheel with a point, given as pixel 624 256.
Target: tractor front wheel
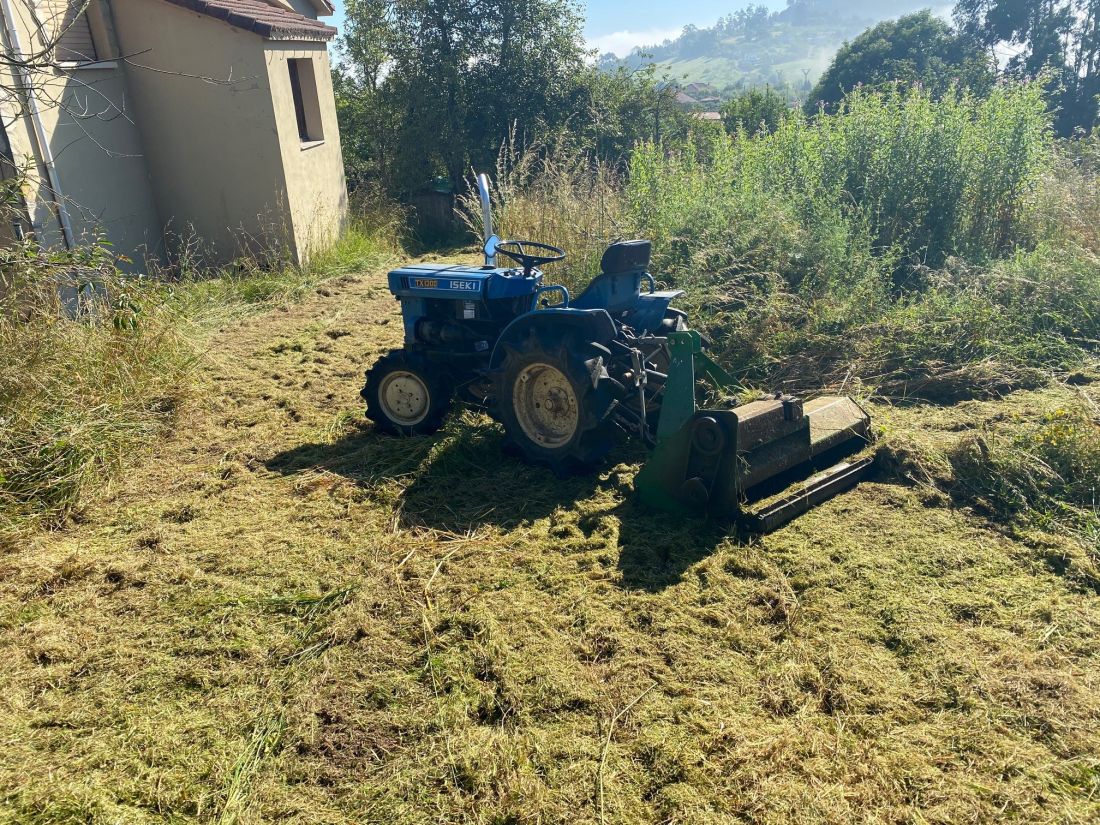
pixel 406 396
pixel 554 402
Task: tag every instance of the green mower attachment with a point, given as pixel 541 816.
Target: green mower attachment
pixel 715 461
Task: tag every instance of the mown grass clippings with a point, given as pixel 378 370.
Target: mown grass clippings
pixel 80 397
pixel 322 641
pixel 284 616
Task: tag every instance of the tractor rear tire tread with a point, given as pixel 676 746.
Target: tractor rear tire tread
pixel 595 433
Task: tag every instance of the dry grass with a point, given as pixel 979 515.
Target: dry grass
pixel 282 616
pixel 563 198
pixel 88 385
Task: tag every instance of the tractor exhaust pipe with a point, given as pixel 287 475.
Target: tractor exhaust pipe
pixel 486 217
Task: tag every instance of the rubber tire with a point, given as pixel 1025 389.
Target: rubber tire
pixel 595 434
pixel 440 393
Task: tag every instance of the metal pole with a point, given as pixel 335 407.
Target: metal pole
pixel 24 75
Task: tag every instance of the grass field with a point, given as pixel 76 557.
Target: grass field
pixel 279 616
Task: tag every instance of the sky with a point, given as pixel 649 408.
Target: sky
pixel 620 25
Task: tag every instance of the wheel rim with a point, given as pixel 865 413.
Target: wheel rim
pixel 404 397
pixel 545 405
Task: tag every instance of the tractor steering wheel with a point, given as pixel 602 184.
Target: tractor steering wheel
pixel 518 252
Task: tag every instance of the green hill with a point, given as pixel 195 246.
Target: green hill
pixel 754 47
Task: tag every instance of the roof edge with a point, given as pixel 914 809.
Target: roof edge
pixel 269 31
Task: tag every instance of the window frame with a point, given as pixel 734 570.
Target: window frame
pixel 305 100
pixel 102 42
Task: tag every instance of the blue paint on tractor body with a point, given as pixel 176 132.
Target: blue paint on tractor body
pixel 460 316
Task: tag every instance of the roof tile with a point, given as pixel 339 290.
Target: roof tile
pixel 261 18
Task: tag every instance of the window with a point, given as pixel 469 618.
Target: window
pixel 78 31
pixel 307 109
pixel 75 43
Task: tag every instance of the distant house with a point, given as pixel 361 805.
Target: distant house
pixel 707 116
pixel 685 99
pixel 157 120
pixel 700 89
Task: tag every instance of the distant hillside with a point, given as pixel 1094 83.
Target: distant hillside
pixel 754 47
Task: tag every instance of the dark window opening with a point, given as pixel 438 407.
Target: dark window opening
pixel 307 110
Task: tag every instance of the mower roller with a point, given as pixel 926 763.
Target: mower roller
pixel 569 378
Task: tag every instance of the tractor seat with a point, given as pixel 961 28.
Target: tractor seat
pixel 626 256
pixel 619 283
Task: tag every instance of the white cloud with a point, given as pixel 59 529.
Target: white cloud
pixel 621 43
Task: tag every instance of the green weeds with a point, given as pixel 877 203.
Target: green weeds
pixel 938 249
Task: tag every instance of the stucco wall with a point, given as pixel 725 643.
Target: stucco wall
pixel 98 153
pixel 195 132
pixel 206 118
pixel 316 193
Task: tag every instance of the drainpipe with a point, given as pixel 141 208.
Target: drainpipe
pixel 36 123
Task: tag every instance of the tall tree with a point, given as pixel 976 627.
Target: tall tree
pixel 1058 38
pixel 917 48
pixel 455 77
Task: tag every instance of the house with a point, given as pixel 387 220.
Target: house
pixel 685 99
pixel 710 116
pixel 156 123
pixel 700 89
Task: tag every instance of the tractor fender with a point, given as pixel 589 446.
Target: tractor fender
pixel 594 324
pixel 649 310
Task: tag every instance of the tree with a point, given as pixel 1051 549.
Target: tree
pixel 755 111
pixel 917 48
pixel 1056 38
pixel 449 80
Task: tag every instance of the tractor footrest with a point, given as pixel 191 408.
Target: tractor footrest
pixel 821 487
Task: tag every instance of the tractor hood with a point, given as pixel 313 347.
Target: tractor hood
pixel 451 281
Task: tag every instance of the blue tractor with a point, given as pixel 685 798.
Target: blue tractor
pixel 566 376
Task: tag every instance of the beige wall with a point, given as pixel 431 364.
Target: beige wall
pixel 97 149
pixel 195 132
pixel 225 157
pixel 205 116
pixel 316 193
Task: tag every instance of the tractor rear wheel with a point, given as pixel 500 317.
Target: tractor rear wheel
pixel 554 402
pixel 406 395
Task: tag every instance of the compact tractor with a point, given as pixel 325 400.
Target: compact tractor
pixel 567 376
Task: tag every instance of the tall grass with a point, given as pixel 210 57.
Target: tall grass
pixel 560 197
pixel 97 363
pixel 79 395
pixel 941 248
pixel 892 184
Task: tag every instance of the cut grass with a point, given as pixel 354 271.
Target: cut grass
pixel 286 617
pixel 81 397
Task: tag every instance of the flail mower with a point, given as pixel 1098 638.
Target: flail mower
pixel 568 378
